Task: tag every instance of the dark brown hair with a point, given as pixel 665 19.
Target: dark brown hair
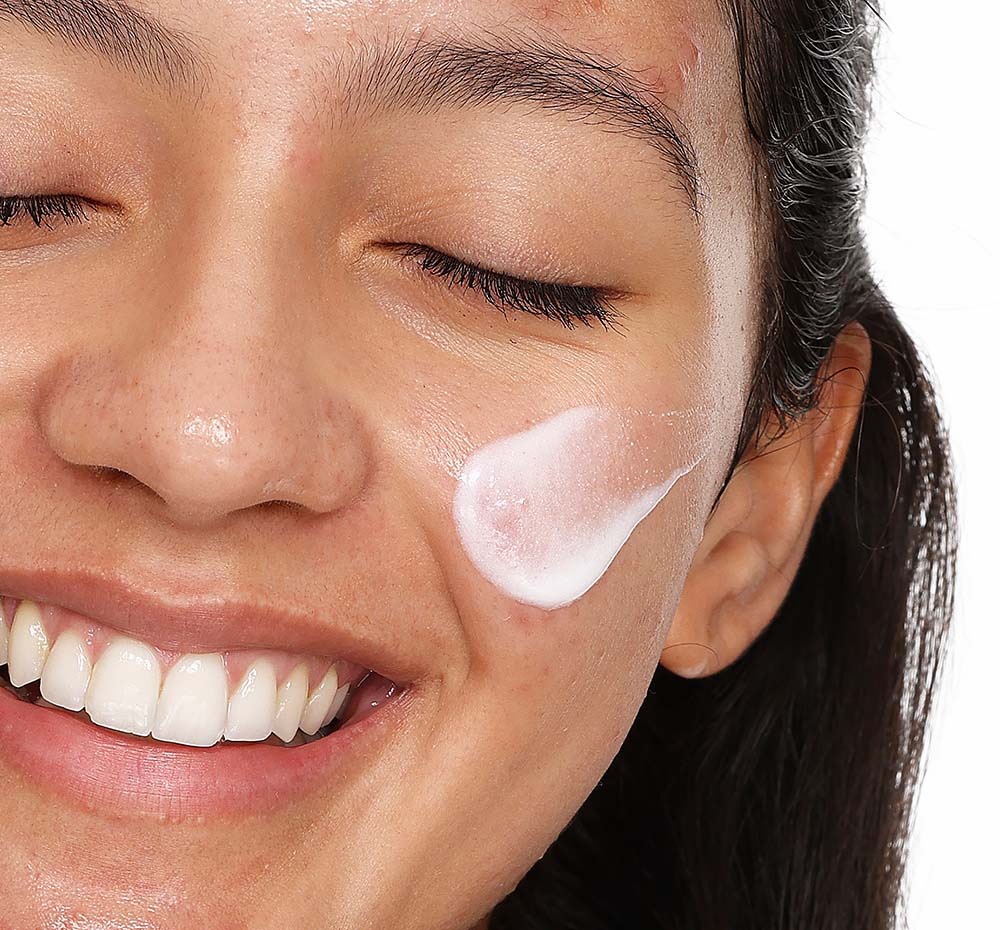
pixel 778 794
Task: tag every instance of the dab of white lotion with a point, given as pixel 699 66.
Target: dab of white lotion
pixel 543 513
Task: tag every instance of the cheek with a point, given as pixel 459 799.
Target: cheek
pixel 542 514
pixel 562 662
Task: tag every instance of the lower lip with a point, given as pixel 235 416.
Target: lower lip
pixel 104 771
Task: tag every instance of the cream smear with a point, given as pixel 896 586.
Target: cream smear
pixel 543 513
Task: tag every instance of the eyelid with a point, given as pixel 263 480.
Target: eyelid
pixel 38 208
pixel 417 250
pixel 567 304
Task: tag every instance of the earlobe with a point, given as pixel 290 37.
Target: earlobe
pixel 756 537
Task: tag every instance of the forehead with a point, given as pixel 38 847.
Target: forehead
pixel 274 60
pixel 666 34
pixel 675 51
pixel 662 42
pixel 662 39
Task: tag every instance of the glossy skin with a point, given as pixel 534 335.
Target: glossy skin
pixel 228 329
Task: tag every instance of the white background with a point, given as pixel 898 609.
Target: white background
pixel 933 214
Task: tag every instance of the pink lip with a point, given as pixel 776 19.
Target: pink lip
pixel 102 770
pixel 188 620
pixel 98 769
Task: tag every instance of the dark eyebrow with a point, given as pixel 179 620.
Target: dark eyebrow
pixel 116 31
pixel 427 74
pixel 453 72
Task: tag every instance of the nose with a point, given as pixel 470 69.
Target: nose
pixel 213 401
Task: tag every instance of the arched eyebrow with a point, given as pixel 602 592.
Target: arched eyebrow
pixel 118 32
pixel 517 66
pixel 412 74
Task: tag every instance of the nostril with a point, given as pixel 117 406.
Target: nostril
pixel 119 480
pixel 111 475
pixel 272 434
pixel 291 506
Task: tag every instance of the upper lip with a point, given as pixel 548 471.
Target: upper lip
pixel 191 621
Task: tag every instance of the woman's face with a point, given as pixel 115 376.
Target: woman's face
pixel 250 414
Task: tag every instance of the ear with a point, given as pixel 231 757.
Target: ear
pixel 756 537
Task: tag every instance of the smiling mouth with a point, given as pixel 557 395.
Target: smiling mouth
pixel 73 665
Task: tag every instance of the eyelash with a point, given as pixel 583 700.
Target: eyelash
pixel 40 207
pixel 567 304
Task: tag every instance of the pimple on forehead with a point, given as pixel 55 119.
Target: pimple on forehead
pixel 305 157
pixel 686 55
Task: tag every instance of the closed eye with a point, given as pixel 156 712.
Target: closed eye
pixel 567 304
pixel 40 209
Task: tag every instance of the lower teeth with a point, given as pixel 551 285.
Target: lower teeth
pixel 32 694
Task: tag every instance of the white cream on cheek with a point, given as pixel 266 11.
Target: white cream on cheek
pixel 543 513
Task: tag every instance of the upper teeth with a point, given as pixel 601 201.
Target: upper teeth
pixel 125 688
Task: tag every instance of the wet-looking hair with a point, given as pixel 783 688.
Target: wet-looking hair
pixel 779 793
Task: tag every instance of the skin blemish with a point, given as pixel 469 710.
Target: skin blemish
pixel 672 79
pixel 306 157
pixel 688 59
pixel 543 513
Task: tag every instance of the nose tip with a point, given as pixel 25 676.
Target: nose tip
pixel 275 442
pixel 205 468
